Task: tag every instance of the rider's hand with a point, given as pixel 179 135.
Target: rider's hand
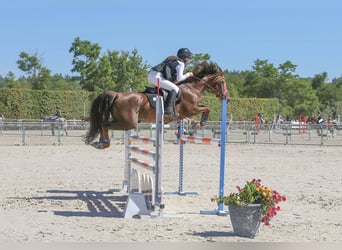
pixel 191 74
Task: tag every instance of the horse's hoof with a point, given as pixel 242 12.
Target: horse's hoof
pixel 100 145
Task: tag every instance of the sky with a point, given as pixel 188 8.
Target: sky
pixel 234 33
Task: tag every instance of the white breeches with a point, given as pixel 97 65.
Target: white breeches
pixel 153 77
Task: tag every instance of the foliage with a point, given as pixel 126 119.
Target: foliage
pixel 121 71
pixel 255 193
pixel 196 59
pixel 38 75
pixel 241 109
pixel 319 80
pixel 338 107
pixel 59 82
pixel 235 82
pixel 124 71
pixel 300 97
pixel 296 96
pixel 245 109
pixel 34 104
pixel 261 82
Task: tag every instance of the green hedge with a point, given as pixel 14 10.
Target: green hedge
pixel 34 104
pixel 242 109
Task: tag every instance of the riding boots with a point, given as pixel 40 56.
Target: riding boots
pixel 170 108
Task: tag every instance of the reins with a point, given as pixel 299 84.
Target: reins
pixel 207 85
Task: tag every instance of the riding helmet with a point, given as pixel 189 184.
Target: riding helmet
pixel 184 52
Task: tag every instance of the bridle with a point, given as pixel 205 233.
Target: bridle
pixel 211 88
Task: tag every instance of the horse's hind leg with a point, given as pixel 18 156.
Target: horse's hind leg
pixel 104 140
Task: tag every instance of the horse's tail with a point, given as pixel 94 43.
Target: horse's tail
pixel 99 114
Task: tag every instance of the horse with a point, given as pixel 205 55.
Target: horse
pixel 55 124
pixel 123 111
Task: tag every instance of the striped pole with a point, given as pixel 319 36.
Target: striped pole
pixel 141 138
pixel 143 164
pixel 202 140
pixel 143 151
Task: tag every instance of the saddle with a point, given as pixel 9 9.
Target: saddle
pixel 152 92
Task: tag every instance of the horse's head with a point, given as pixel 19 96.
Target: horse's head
pixel 212 77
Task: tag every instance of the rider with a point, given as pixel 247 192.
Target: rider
pixel 57 115
pixel 319 118
pixel 169 72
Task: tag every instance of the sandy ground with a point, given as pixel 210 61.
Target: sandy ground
pixel 60 194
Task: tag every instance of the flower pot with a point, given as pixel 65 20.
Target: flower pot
pixel 245 219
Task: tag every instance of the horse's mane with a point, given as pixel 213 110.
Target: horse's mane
pixel 203 69
pixel 206 68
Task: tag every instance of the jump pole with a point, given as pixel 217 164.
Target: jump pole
pixel 159 150
pixel 136 204
pixel 220 209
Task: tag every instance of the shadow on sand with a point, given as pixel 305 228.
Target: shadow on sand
pixel 99 203
pixel 207 234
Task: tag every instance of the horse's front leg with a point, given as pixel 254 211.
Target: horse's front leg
pixel 104 140
pixel 205 113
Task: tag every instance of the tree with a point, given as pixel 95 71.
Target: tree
pixel 115 70
pixel 196 59
pixel 337 81
pixel 38 75
pixel 300 97
pixel 266 81
pixel 10 80
pixel 286 70
pixel 261 82
pixel 86 56
pixel 59 82
pixel 319 80
pixel 3 83
pixel 327 94
pixel 235 81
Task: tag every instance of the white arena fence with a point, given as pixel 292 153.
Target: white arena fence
pixel 37 132
pixel 285 133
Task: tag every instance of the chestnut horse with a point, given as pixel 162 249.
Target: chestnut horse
pixel 123 111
